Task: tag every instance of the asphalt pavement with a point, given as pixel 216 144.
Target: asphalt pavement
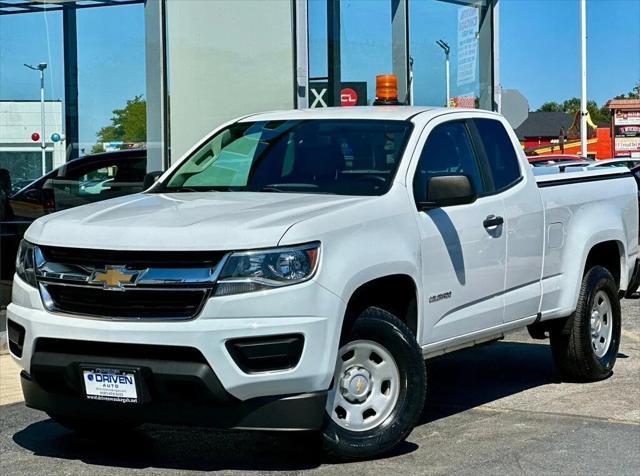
pixel 496 409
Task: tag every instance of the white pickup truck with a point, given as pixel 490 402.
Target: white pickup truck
pixel 295 269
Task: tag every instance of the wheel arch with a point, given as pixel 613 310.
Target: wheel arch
pixel 610 255
pixel 604 249
pixel 396 293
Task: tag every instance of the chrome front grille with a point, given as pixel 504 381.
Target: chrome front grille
pixel 126 285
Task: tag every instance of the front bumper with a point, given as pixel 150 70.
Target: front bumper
pixel 293 412
pixel 307 309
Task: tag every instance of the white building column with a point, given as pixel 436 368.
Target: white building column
pixel 156 85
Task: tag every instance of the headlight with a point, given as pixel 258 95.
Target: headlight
pixel 249 271
pixel 25 263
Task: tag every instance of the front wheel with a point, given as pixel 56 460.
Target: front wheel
pixel 586 345
pixel 378 390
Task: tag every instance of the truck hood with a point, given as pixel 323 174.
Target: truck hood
pixel 185 221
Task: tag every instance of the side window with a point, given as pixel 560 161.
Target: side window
pixel 127 179
pixel 93 182
pixel 447 151
pixel 501 157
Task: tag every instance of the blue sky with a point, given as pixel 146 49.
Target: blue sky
pixel 539 49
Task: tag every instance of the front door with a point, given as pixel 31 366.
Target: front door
pixel 463 246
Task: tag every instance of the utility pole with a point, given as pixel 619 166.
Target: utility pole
pixel 445 47
pixel 43 139
pixel 583 95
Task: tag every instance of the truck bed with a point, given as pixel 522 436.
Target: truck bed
pixel 572 200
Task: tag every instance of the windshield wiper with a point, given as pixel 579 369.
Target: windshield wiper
pixel 195 189
pixel 271 188
pixel 180 190
pixel 292 188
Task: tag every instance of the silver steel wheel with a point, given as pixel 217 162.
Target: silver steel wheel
pixel 366 384
pixel 601 323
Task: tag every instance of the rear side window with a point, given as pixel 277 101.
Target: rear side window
pixel 94 181
pixel 499 152
pixel 447 151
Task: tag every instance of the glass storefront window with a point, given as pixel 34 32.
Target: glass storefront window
pixel 110 112
pixel 365 49
pixel 24 165
pixel 368 30
pixel 30 39
pixel 111 78
pixel 464 27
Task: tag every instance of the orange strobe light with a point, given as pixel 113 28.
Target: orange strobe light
pixel 386 90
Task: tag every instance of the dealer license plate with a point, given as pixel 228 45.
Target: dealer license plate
pixel 114 385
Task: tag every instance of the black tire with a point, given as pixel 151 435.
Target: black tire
pixel 394 336
pixel 93 427
pixel 571 341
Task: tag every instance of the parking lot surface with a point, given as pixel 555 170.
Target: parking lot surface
pixel 496 409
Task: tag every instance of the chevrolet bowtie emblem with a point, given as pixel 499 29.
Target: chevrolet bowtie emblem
pixel 114 277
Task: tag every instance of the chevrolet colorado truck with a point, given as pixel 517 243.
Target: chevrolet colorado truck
pixel 294 270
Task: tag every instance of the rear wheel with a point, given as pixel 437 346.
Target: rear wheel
pixel 586 345
pixel 378 389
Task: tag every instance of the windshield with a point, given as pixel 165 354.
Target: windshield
pixel 345 157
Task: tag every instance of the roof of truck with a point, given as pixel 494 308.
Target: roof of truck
pixel 401 113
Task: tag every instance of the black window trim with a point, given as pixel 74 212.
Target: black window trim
pixel 485 159
pixel 476 157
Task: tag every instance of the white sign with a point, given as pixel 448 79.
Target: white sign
pixel 112 146
pixel 627 118
pixel 114 386
pixel 468 23
pixel 627 144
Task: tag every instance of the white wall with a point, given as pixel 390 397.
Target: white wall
pixel 20 119
pixel 226 58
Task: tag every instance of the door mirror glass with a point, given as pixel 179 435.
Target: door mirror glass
pixel 151 178
pixel 447 190
pixel 33 195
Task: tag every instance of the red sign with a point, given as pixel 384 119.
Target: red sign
pixel 463 101
pixel 348 97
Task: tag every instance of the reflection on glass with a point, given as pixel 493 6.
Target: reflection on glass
pixel 458 24
pixel 111 78
pixel 365 49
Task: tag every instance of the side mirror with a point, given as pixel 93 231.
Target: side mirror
pixel 150 179
pixel 447 190
pixel 33 195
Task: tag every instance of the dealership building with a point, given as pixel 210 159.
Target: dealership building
pixel 21 138
pixel 206 62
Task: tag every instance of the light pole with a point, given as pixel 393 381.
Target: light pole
pixel 43 140
pixel 583 94
pixel 446 49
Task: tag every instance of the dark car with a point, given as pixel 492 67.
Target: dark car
pixel 18 185
pixel 121 172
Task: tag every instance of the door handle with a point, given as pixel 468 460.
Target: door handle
pixel 492 221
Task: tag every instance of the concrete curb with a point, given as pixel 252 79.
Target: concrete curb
pixel 4 349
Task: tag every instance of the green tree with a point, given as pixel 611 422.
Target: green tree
pixel 571 106
pixel 128 125
pixel 550 106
